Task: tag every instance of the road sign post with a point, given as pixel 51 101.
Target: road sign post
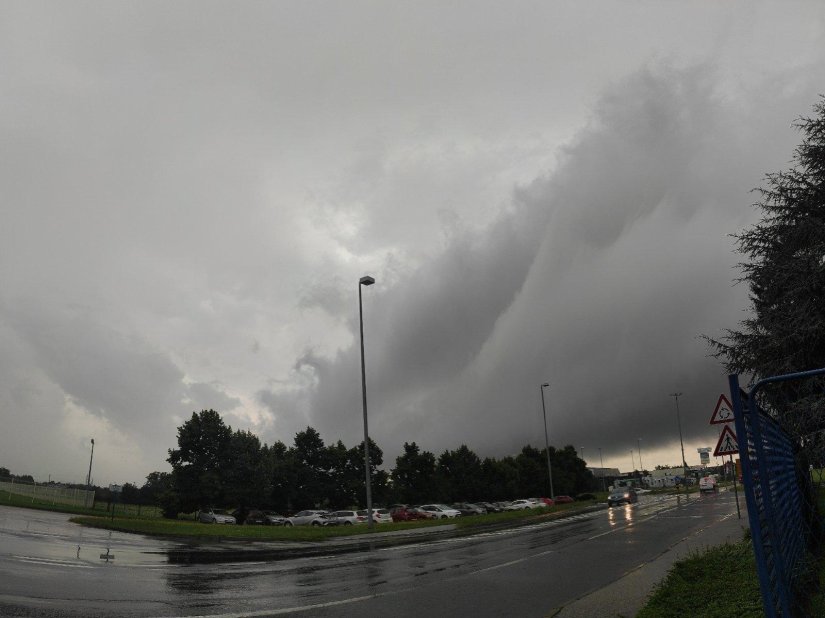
pixel 727 444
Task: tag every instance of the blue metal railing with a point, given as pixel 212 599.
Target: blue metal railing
pixel 777 510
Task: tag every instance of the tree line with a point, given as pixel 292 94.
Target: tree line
pixel 216 466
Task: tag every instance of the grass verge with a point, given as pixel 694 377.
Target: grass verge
pixel 718 583
pixel 192 529
pixel 99 509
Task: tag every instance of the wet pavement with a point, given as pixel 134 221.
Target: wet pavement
pixel 50 567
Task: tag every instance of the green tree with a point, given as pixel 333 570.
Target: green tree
pixel 158 490
pixel 279 463
pixel 500 478
pixel 414 476
pixel 245 473
pixel 378 478
pixel 200 461
pixel 785 272
pixel 459 473
pixel 532 469
pixel 344 482
pixel 308 469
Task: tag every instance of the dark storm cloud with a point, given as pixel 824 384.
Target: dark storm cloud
pixel 599 278
pixel 190 191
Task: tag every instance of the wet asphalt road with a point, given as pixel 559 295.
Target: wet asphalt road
pixel 52 568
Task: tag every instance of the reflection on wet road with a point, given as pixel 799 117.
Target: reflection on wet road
pixel 523 571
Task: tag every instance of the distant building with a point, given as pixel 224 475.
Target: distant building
pixel 665 477
pixel 605 473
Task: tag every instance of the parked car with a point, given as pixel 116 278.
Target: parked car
pixel 440 511
pixel 492 507
pixel 622 494
pixel 275 519
pixel 406 513
pixel 379 516
pixel 310 517
pixel 344 518
pixel 563 499
pixel 422 514
pixel 548 501
pixel 254 517
pixel 522 504
pixel 215 516
pixel 468 508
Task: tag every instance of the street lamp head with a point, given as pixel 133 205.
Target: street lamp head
pixel 366 280
pixel 545 384
pixel 93 440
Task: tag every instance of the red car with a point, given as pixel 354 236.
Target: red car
pixel 404 513
pixel 564 500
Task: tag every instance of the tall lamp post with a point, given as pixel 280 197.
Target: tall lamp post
pixel 365 280
pixel 89 476
pixel 641 467
pixel 546 441
pixel 682 444
pixel 601 463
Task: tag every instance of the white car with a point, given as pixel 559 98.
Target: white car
pixel 306 518
pixel 379 516
pixel 345 518
pixel 440 511
pixel 524 504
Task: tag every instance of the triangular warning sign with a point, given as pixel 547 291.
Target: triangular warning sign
pixel 723 413
pixel 727 444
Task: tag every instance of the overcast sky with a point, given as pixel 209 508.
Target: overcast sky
pixel 543 191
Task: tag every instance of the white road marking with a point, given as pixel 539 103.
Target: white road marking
pixel 52 562
pixel 284 610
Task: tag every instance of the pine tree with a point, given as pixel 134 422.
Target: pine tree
pixel 785 272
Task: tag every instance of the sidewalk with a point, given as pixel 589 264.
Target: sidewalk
pixel 631 591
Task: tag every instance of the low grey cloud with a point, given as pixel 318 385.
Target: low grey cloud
pixel 599 277
pixel 189 193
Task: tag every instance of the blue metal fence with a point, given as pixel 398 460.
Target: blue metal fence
pixel 777 492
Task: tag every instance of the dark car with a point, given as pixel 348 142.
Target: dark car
pixel 563 499
pixel 275 519
pixel 490 506
pixel 467 508
pixel 621 495
pixel 254 518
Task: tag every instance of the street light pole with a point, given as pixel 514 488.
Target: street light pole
pixel 632 461
pixel 679 423
pixel 546 441
pixel 89 476
pixel 639 450
pixel 581 448
pixel 641 467
pixel 366 280
pixel 601 463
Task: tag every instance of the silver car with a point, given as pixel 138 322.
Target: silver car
pixel 309 517
pixel 345 518
pixel 215 516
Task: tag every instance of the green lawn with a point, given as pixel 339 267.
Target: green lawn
pixel 100 508
pixel 719 583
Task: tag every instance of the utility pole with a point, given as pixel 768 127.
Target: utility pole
pixel 681 442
